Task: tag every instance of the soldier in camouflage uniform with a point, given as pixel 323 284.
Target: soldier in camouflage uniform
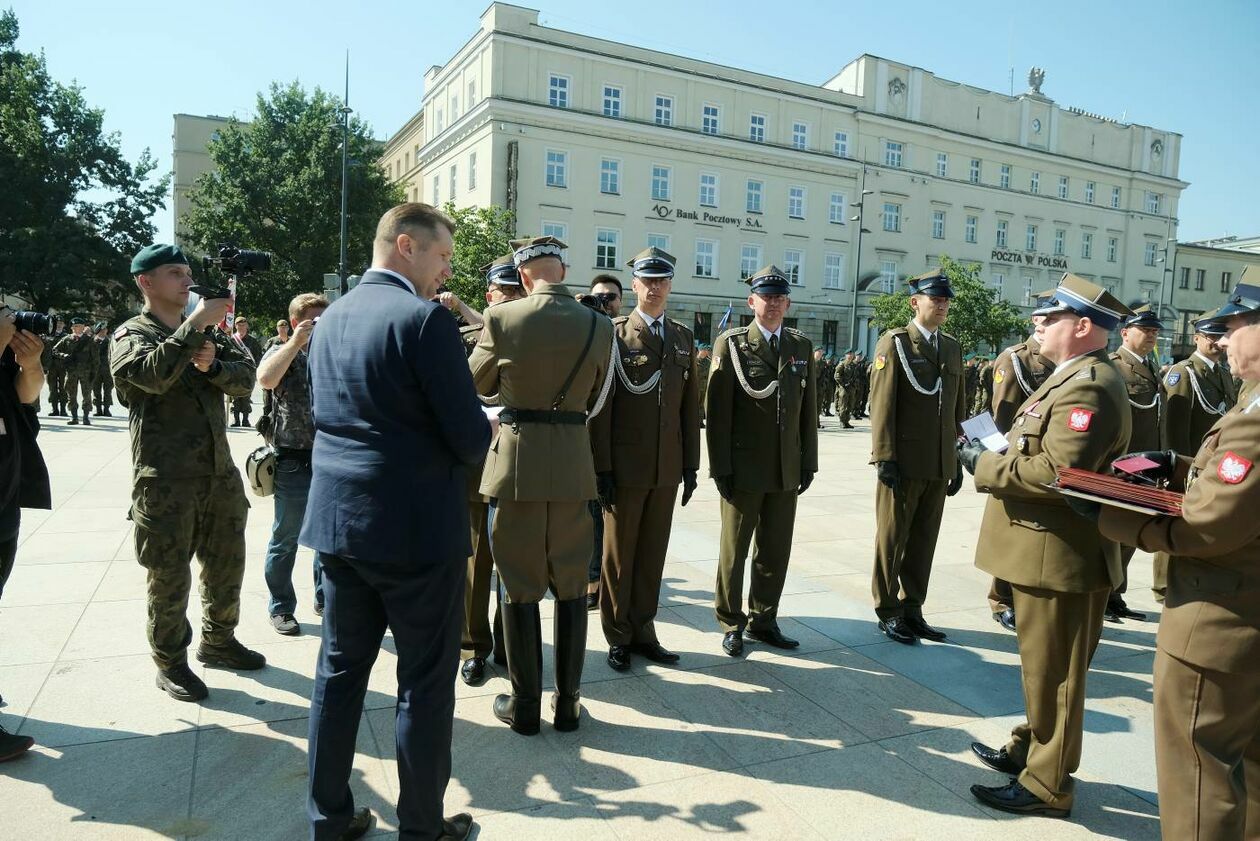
pixel 56 371
pixel 187 495
pixel 77 353
pixel 250 346
pixel 103 384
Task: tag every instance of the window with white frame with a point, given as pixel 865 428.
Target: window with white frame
pixel 454 108
pixel 973 174
pixel 453 182
pixel 437 185
pixel 1199 275
pixel 840 144
pixel 793 265
pixel 1115 196
pixel 1184 283
pixel 559 230
pixel 749 260
pixel 557 168
pixel 558 91
pixel 833 270
pixel 664 113
pixel 835 209
pixel 1152 202
pixel 1028 291
pixel 938 224
pixel 1030 238
pixel 796 202
pixel 1089 192
pixel 1150 253
pixel 1227 280
pixel 472 170
pixel 1060 241
pixel 661 178
pixel 1063 186
pixel 472 93
pixel 439 124
pixel 1087 245
pixel 610 176
pixel 969 231
pixel 607 244
pixel 892 216
pixel 892 153
pixel 1113 245
pixel 1034 183
pixel 708 189
pixel 752 202
pixel 1000 242
pixel 888 275
pixel 942 165
pixel 406 167
pixel 757 128
pixel 800 136
pixel 706 258
pixel 660 241
pixel 997 281
pixel 710 118
pixel 1004 177
pixel 612 101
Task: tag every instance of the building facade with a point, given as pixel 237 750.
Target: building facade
pixel 1200 278
pixel 190 158
pixel 849 187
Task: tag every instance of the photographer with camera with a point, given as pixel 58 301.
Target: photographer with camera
pixel 283 372
pixel 187 495
pixel 23 475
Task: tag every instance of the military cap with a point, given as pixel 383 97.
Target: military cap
pixel 652 262
pixel 1211 324
pixel 1086 299
pixel 1043 297
pixel 156 255
pixel 502 272
pixel 1246 295
pixel 77 320
pixel 1143 316
pixel 768 280
pixel 99 326
pixel 934 283
pixel 524 250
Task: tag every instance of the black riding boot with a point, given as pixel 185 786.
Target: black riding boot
pixel 522 636
pixel 570 646
pixel 498 654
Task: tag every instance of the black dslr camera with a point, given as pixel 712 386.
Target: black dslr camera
pixel 41 324
pixel 240 262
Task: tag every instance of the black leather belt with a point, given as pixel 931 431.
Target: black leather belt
pixel 515 417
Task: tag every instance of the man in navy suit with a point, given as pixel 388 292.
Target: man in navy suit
pixel 396 423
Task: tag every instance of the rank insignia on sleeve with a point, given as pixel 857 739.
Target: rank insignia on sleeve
pixel 120 332
pixel 999 375
pixel 880 362
pixel 1233 468
pixel 1173 378
pixel 717 363
pixel 1079 419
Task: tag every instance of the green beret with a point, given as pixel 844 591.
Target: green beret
pixel 157 255
pixel 99 326
pixel 77 320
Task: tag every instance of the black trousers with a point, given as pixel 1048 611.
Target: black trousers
pixel 10 521
pixel 424 608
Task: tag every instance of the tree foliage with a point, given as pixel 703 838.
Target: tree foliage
pixel 276 186
pixel 482 234
pixel 73 209
pixel 977 315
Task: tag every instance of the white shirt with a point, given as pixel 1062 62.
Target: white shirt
pixel 766 334
pixel 1131 353
pixel 393 273
pixel 930 335
pixel 1211 365
pixel 1062 365
pixel 650 321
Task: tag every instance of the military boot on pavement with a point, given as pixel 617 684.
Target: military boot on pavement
pixel 181 684
pixel 230 655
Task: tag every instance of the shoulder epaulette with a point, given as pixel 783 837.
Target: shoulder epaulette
pixel 795 332
pixel 733 331
pixel 621 319
pixel 678 324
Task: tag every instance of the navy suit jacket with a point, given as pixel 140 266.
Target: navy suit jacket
pixel 397 422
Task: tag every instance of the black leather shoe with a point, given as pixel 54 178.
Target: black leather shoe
pixel 1016 799
pixel 772 636
pixel 895 629
pixel 923 630
pixel 473 672
pixel 592 601
pixel 456 827
pixel 359 825
pixel 12 746
pixel 181 684
pixel 1117 610
pixel 655 652
pixel 733 643
pixel 998 760
pixel 1005 618
pixel 619 657
pixel 231 655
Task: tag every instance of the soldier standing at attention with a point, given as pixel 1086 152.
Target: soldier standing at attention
pixel 1199 389
pixel 821 371
pixel 646 441
pixel 547 357
pixel 916 408
pixel 1018 371
pixel 763 454
pixel 78 356
pixel 846 386
pixel 1060 568
pixel 187 495
pixel 1132 359
pixel 1207 661
pixel 251 348
pixel 103 383
pixel 56 369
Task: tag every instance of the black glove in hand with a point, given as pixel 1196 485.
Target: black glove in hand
pixel 955 484
pixel 1166 461
pixel 606 488
pixel 807 479
pixel 969 453
pixel 725 486
pixel 1084 507
pixel 689 485
pixel 889 474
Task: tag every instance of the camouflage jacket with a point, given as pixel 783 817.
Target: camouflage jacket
pixel 102 349
pixel 78 354
pixel 178 427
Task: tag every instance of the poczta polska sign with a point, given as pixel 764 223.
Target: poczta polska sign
pixel 704 216
pixel 1019 258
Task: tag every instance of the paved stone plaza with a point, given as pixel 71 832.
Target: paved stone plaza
pixel 853 736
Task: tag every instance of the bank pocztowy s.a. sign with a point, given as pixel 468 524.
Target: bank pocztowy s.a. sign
pixel 1018 258
pixel 666 212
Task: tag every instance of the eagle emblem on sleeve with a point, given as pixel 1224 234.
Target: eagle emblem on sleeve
pixel 1233 468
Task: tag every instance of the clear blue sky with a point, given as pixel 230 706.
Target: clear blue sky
pixel 1185 67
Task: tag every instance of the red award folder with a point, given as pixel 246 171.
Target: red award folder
pixel 1114 491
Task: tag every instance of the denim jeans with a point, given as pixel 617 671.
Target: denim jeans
pixel 292 484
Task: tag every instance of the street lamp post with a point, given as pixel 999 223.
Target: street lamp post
pixel 345 177
pixel 857 268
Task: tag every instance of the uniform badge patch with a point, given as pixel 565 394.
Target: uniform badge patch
pixel 880 362
pixel 1173 377
pixel 999 375
pixel 1079 419
pixel 120 332
pixel 716 363
pixel 1233 468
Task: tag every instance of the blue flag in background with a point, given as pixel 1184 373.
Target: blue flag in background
pixel 725 317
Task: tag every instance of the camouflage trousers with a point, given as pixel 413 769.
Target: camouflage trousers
pixel 103 389
pixel 76 383
pixel 175 519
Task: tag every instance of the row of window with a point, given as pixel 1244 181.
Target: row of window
pixel 452 182
pixel 439 121
pixel 1200 278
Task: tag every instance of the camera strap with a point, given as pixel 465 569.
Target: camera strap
pixel 568 381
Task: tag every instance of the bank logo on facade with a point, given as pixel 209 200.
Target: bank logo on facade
pixel 667 212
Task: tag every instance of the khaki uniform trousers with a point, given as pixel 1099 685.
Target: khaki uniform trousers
pixel 1058 634
pixel 1126 555
pixel 636 537
pixel 770 518
pixel 477 640
pixel 1207 752
pixel 539 546
pixel 1159 576
pixel 1000 595
pixel 906 527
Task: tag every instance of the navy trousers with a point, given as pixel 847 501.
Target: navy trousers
pixel 424 608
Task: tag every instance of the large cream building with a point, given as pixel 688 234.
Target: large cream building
pixel 190 158
pixel 1200 278
pixel 613 148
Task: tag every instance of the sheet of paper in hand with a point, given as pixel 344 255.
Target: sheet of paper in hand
pixel 983 427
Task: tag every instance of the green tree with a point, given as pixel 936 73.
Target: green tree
pixel 276 186
pixel 482 235
pixel 73 209
pixel 977 316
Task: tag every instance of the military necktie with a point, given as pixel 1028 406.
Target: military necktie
pixel 774 345
pixel 657 331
